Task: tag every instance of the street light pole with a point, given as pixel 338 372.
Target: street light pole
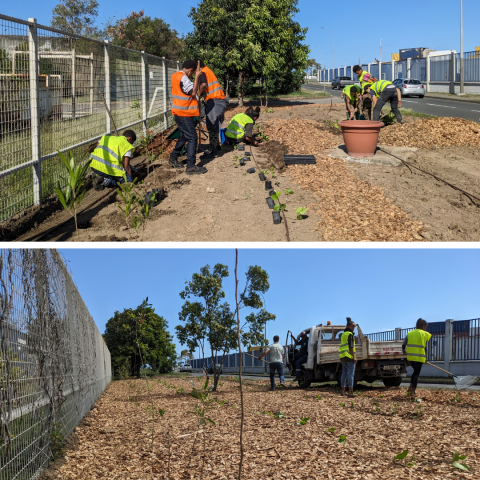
pixel 333 37
pixel 462 80
pixel 380 51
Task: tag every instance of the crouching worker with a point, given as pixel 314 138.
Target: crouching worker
pixel 383 92
pixel 240 128
pixel 350 93
pixel 415 346
pixel 348 358
pixel 111 160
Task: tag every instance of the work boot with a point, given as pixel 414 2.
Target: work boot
pixel 196 170
pixel 350 393
pixel 272 389
pixel 175 164
pixel 98 184
pixel 409 391
pixel 209 154
pixel 342 392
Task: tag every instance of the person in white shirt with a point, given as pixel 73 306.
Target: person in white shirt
pixel 276 361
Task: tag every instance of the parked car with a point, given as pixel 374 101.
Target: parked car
pixel 186 368
pixel 410 86
pixel 217 366
pixel 340 83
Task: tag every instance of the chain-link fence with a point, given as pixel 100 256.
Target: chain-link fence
pixel 51 86
pixel 54 363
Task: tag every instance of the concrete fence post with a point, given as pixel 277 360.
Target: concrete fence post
pixel 34 110
pixel 91 83
pixel 74 83
pixel 165 120
pixel 369 67
pixel 453 72
pixel 427 71
pixel 107 86
pixel 379 71
pixel 393 70
pixel 398 334
pixel 144 94
pixel 448 345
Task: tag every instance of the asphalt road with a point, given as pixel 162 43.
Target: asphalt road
pixel 430 106
pixel 288 379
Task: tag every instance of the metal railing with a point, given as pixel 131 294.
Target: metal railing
pixel 466 340
pixel 54 363
pixel 388 336
pixel 50 84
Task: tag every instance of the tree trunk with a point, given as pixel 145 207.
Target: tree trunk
pixel 241 81
pixel 242 408
pixel 216 378
pixel 266 93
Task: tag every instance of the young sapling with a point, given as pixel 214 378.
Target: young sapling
pixel 301 211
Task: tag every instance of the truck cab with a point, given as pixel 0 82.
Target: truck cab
pixel 375 360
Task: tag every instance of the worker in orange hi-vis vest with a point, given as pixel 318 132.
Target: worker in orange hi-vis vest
pixel 215 105
pixel 185 107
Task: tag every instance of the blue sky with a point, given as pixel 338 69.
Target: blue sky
pixel 379 288
pixel 433 24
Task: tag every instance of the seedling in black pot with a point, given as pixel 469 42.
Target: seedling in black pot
pixel 261 176
pixel 268 185
pixel 242 162
pixel 272 192
pixel 271 203
pixel 241 147
pixel 251 170
pixel 276 217
pixel 301 211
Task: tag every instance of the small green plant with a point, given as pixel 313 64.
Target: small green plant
pixel 279 207
pixel 319 397
pixel 289 191
pixel 342 439
pixel 418 412
pixel 301 211
pixel 377 407
pixel 303 421
pixel 130 200
pixel 136 106
pixel 459 465
pixel 394 409
pixel 76 185
pixel 269 110
pixel 331 430
pixel 342 404
pixel 403 455
pixel 279 415
pixel 352 405
pixel 57 442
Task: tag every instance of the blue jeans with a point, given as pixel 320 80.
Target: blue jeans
pixel 298 364
pixel 276 366
pixel 348 369
pixel 186 127
pixel 110 180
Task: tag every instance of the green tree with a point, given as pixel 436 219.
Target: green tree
pixel 247 39
pixel 76 16
pixel 208 318
pixel 152 35
pixel 139 334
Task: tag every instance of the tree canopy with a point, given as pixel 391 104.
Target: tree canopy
pixel 152 35
pixel 247 39
pixel 76 16
pixel 139 337
pixel 208 318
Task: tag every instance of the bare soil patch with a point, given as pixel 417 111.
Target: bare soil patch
pixel 116 440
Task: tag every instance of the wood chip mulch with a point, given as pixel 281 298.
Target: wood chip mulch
pixel 441 132
pixel 115 440
pixel 350 209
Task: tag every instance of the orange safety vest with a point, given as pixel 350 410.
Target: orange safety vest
pixel 182 105
pixel 213 90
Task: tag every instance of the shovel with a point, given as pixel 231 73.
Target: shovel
pixel 461 382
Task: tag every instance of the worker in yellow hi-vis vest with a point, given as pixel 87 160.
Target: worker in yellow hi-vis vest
pixel 348 358
pixel 415 346
pixel 111 160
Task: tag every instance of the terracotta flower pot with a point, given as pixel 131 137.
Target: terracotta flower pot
pixel 360 136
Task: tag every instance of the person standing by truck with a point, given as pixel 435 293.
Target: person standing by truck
pixel 276 361
pixel 350 93
pixel 302 354
pixel 415 346
pixel 348 358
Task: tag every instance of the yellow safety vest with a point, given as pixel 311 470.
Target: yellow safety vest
pixel 362 81
pixel 344 351
pixel 348 92
pixel 236 127
pixel 416 343
pixel 379 87
pixel 108 156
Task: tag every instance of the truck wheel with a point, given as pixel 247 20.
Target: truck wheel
pixel 304 382
pixel 392 382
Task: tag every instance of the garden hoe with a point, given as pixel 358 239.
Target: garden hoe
pixel 461 382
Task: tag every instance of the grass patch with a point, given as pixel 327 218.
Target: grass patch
pixel 411 113
pixel 451 95
pixel 296 94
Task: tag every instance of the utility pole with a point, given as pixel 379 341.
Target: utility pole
pixel 462 80
pixel 380 51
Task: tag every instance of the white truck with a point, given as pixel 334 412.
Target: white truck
pixel 375 360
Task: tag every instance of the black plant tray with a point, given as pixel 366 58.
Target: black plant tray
pixel 299 159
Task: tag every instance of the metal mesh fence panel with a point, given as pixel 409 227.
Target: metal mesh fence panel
pixel 440 68
pixel 471 66
pixel 50 101
pixel 400 70
pixel 418 69
pixel 466 340
pixel 387 336
pixel 349 72
pixel 436 345
pixel 374 69
pixel 387 71
pixel 54 363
